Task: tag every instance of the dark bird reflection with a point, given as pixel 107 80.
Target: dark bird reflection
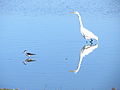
pixel 87 49
pixel 26 61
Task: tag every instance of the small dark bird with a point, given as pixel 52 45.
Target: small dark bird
pixel 28 54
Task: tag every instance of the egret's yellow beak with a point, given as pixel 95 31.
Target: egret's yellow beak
pixel 71 71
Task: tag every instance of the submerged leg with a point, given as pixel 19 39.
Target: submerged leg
pixel 91 41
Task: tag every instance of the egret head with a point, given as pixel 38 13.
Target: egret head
pixel 75 12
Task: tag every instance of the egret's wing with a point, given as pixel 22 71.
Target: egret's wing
pixel 89 34
pixel 87 49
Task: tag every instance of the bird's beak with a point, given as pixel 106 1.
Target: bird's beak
pixel 71 71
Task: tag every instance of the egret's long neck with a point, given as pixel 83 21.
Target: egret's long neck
pixel 80 20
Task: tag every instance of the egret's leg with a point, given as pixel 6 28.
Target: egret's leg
pixel 91 41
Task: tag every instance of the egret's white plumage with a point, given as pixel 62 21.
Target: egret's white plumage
pixel 85 33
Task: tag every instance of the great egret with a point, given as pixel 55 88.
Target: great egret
pixel 85 33
pixel 28 54
pixel 87 49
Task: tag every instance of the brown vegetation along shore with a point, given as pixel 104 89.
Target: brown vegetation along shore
pixel 7 89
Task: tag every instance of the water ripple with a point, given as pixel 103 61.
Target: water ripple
pixel 42 7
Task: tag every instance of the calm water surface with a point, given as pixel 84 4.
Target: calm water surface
pixel 58 43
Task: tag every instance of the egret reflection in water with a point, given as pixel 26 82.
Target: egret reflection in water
pixel 87 49
pixel 26 61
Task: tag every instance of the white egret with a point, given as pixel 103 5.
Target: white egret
pixel 85 33
pixel 87 49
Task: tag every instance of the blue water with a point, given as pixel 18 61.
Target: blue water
pixel 48 29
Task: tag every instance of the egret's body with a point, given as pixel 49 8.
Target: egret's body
pixel 85 33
